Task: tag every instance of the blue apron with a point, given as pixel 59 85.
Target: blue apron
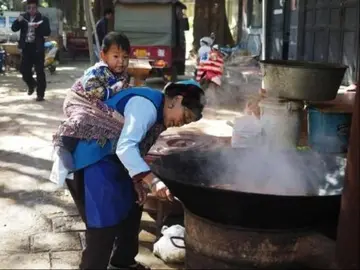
pixel 109 191
pixel 90 152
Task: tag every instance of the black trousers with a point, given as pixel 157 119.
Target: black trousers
pixel 116 245
pixel 32 57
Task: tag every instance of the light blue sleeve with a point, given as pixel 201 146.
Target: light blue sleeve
pixel 140 115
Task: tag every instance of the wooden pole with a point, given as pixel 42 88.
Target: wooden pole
pixel 88 11
pixel 347 243
pixel 95 33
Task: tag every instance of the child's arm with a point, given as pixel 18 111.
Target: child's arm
pixel 96 84
pixel 122 81
pixel 99 82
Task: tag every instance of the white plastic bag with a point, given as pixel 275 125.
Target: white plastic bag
pixel 58 172
pixel 170 247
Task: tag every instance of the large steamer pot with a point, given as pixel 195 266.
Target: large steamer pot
pixel 298 80
pixel 189 179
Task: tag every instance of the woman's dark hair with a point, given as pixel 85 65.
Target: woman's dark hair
pixel 193 96
pixel 118 39
pixel 108 11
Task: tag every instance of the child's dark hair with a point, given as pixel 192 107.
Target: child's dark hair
pixel 108 11
pixel 118 39
pixel 193 96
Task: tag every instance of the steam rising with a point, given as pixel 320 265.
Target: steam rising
pixel 264 168
pixel 260 170
pixel 241 81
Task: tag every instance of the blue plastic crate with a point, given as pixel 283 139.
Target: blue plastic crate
pixel 328 132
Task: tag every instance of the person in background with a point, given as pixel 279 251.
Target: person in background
pixel 33 28
pixel 205 49
pixel 102 27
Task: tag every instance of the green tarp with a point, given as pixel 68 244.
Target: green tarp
pixel 149 25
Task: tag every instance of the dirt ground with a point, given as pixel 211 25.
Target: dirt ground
pixel 39 225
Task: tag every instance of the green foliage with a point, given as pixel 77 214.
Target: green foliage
pixel 4 5
pixel 44 3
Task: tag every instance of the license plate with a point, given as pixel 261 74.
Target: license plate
pixel 141 53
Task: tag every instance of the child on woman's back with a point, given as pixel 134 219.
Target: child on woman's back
pixel 98 84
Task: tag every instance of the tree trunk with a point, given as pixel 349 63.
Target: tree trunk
pixel 93 26
pixel 82 11
pixel 98 9
pixel 240 19
pixel 347 243
pixel 210 16
pixel 87 10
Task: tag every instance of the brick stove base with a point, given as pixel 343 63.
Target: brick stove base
pixel 211 245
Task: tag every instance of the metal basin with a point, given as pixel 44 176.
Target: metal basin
pixel 191 175
pixel 299 80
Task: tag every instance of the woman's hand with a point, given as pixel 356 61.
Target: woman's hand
pixel 141 193
pixel 117 86
pixel 161 191
pixel 157 187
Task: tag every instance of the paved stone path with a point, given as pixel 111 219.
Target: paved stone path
pixel 60 247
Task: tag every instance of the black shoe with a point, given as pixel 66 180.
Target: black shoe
pixel 137 266
pixel 31 91
pixel 40 99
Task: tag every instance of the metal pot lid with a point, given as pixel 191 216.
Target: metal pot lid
pixel 171 143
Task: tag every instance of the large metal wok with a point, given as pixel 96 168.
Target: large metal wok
pixel 299 80
pixel 191 177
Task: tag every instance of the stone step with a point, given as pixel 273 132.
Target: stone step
pixel 68 224
pixel 44 242
pixel 25 261
pixel 65 260
pixel 11 244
